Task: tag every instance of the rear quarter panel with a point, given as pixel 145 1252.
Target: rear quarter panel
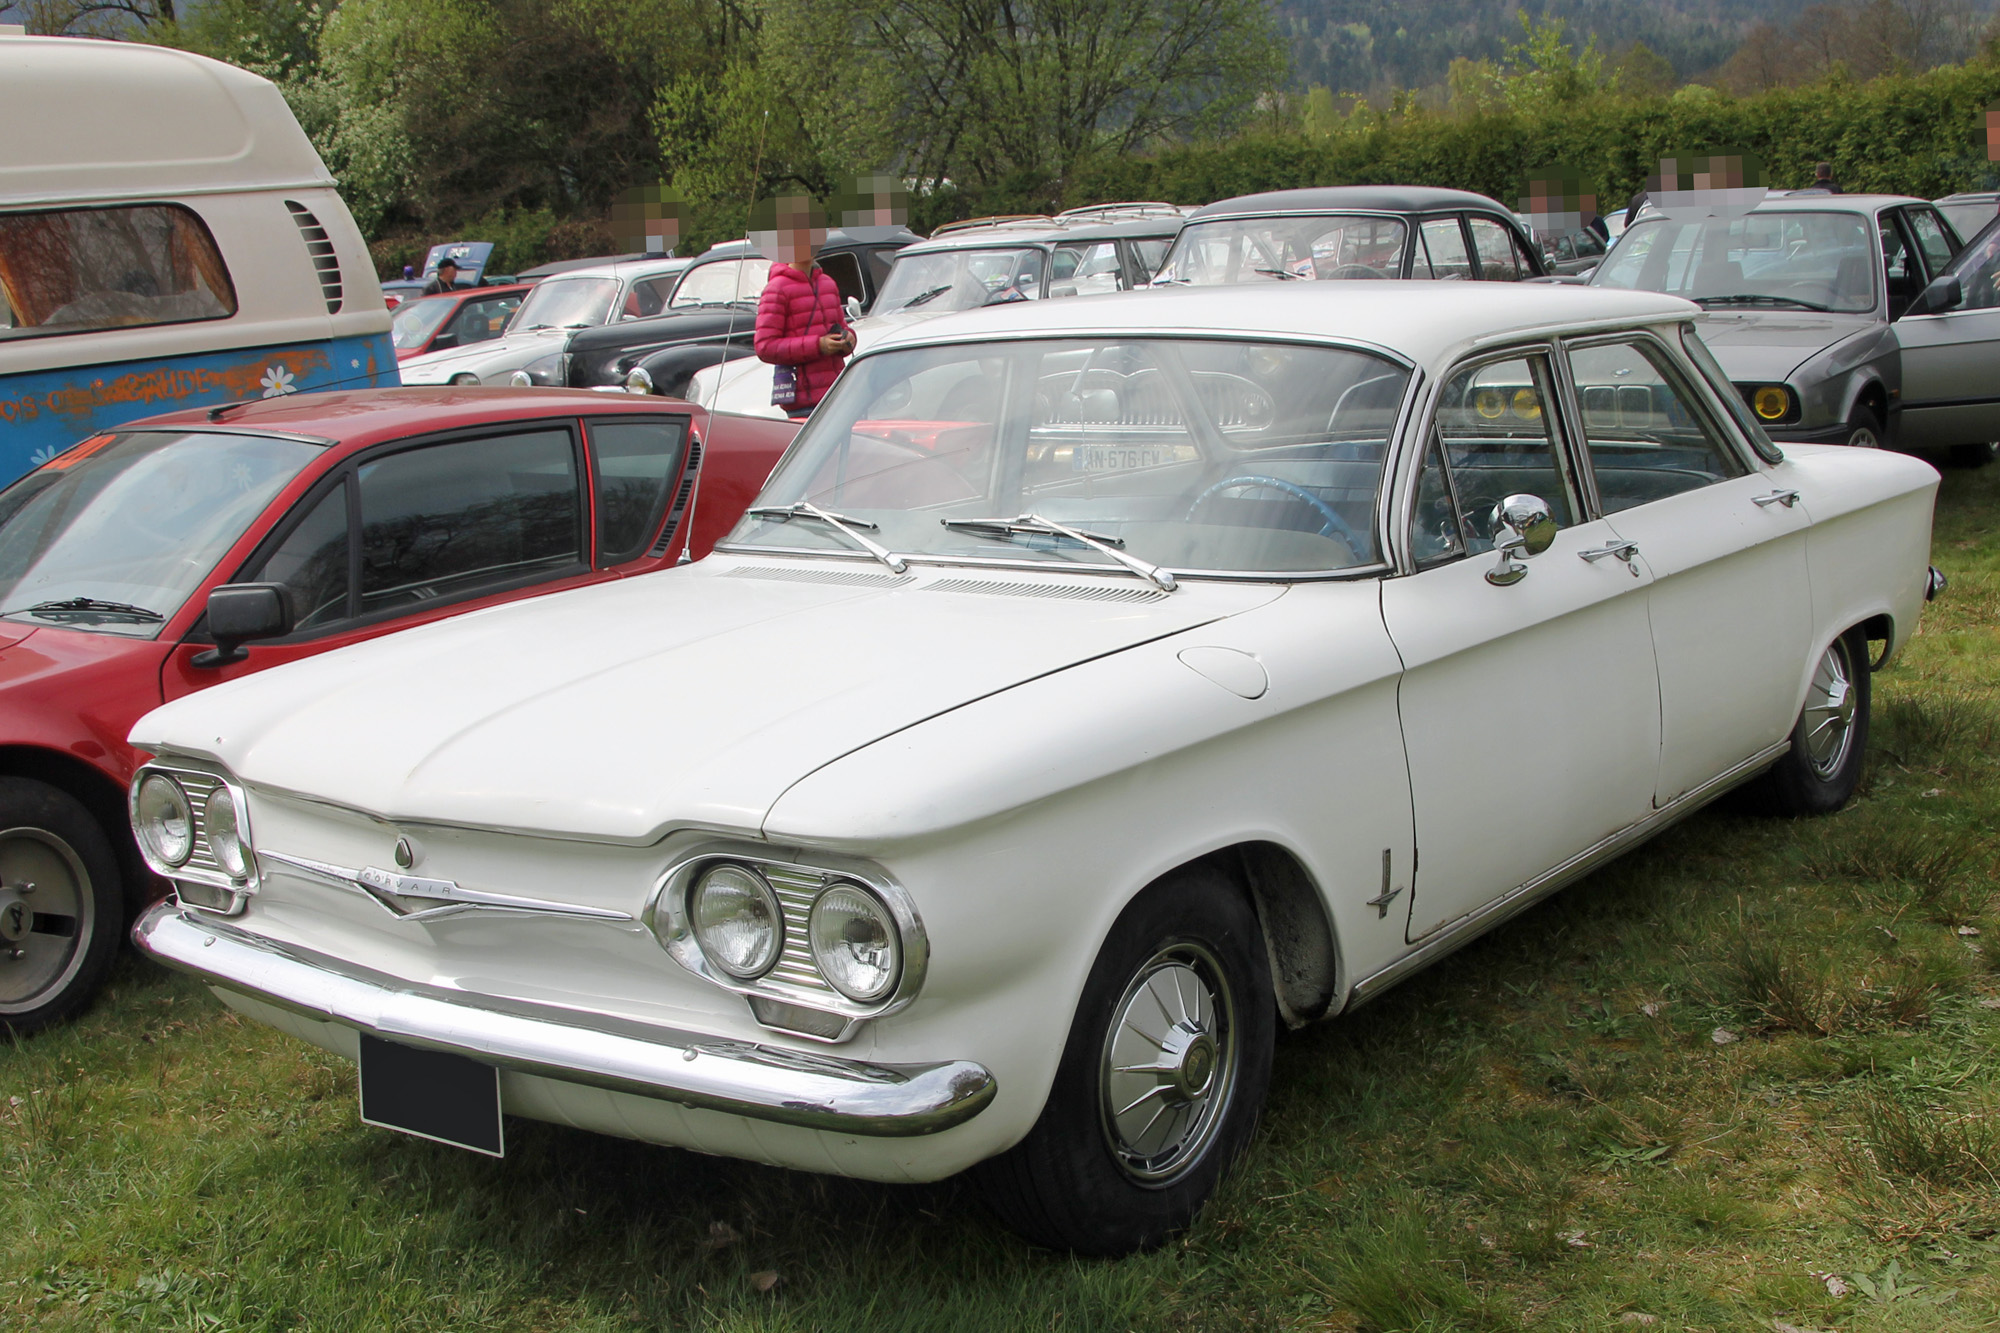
pixel 1868 550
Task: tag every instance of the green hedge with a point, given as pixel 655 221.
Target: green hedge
pixel 1919 134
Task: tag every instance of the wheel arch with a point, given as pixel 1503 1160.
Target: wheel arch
pixel 98 793
pixel 1298 935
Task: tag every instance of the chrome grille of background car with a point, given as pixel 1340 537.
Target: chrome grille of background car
pixel 796 890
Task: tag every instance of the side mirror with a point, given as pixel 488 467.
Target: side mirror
pixel 1063 289
pixel 1943 294
pixel 853 308
pixel 1521 525
pixel 240 612
pixel 442 341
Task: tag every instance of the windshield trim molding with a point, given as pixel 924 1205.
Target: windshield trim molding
pixel 221 428
pixel 1373 569
pixel 1176 333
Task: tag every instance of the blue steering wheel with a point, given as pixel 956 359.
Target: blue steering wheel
pixel 1335 525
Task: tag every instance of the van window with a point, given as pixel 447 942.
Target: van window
pixel 75 270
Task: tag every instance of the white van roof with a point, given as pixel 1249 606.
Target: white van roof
pixel 119 120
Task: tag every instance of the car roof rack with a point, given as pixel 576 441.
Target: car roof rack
pixel 997 220
pixel 1121 212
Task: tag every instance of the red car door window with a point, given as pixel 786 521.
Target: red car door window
pixel 314 562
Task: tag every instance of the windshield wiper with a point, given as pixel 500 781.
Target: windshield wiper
pixel 840 523
pixel 1748 299
pixel 85 607
pixel 1277 273
pixel 922 297
pixel 1005 528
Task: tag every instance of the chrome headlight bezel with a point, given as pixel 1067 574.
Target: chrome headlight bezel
pixel 200 879
pixel 794 980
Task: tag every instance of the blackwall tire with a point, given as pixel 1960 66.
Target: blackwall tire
pixel 1865 429
pixel 1817 775
pixel 1161 1082
pixel 62 905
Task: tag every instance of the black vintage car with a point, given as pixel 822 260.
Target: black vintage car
pixel 711 314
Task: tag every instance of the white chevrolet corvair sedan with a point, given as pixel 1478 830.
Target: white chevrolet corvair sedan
pixel 1097 686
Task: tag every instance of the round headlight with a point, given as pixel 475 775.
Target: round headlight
pixel 638 381
pixel 224 827
pixel 1490 403
pixel 164 818
pixel 1771 402
pixel 1527 406
pixel 737 921
pixel 855 942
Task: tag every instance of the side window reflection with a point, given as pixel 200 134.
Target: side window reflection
pixel 1497 442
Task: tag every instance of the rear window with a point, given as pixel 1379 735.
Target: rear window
pixel 77 270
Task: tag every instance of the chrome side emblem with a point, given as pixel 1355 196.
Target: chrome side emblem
pixel 408 852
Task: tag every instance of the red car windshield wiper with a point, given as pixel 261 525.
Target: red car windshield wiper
pixel 84 608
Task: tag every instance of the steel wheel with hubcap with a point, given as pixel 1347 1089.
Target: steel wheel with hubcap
pixel 60 905
pixel 1820 771
pixel 1161 1081
pixel 1864 428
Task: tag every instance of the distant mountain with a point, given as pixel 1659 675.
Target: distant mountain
pixel 1370 45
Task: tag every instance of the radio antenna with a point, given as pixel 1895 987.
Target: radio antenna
pixel 728 340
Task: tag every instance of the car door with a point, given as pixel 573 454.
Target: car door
pixel 1729 602
pixel 1530 711
pixel 1951 391
pixel 414 532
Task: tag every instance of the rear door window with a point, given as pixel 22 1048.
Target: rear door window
pixel 78 270
pixel 1084 270
pixel 1645 438
pixel 1500 257
pixel 1443 253
pixel 460 519
pixel 636 462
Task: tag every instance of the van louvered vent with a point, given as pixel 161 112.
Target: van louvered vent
pixel 681 498
pixel 845 578
pixel 1075 591
pixel 320 246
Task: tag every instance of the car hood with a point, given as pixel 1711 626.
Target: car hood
pixel 1756 346
pixel 689 698
pixel 509 352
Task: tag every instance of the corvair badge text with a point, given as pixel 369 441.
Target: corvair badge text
pixel 405 894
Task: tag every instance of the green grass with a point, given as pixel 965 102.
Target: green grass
pixel 1541 1133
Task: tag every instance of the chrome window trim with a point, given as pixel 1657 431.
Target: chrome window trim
pixel 666 916
pixel 236 890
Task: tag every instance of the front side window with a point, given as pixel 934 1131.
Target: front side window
pixel 1324 246
pixel 1442 253
pixel 76 270
pixel 1645 439
pixel 413 322
pixel 649 296
pixel 943 280
pixel 1198 455
pixel 724 282
pixel 845 270
pixel 312 561
pixel 116 533
pixel 483 320
pixel 1084 269
pixel 1500 257
pixel 567 303
pixel 1775 260
pixel 1931 239
pixel 454 520
pixel 1979 271
pixel 1497 442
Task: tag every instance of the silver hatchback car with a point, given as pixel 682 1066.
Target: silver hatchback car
pixel 1841 318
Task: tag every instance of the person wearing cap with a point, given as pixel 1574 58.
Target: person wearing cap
pixel 446 279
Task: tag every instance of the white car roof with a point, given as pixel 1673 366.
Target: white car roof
pixel 1426 322
pixel 122 120
pixel 627 268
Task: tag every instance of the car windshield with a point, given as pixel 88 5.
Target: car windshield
pixel 945 280
pixel 567 303
pixel 114 534
pixel 721 283
pixel 415 321
pixel 1328 245
pixel 1196 455
pixel 1779 260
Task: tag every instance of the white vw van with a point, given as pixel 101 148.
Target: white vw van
pixel 168 238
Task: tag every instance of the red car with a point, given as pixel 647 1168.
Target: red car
pixel 195 547
pixel 453 319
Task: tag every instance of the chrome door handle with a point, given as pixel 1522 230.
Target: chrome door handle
pixel 1621 550
pixel 1785 498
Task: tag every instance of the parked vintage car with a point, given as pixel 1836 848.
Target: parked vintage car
pixel 1351 231
pixel 1967 213
pixel 1572 252
pixel 582 298
pixel 1817 307
pixel 459 319
pixel 711 316
pixel 183 550
pixel 967 265
pixel 1074 706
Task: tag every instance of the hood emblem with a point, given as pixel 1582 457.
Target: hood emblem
pixel 408 852
pixel 420 898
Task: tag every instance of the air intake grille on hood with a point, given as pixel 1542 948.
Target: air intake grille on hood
pixel 320 246
pixel 1082 592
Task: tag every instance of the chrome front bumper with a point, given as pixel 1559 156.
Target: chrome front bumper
pixel 735 1077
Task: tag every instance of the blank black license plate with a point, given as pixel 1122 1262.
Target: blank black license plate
pixel 444 1098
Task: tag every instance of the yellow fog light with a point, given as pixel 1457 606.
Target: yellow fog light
pixel 1771 402
pixel 1526 405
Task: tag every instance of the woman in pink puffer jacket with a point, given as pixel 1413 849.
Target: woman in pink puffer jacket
pixel 799 324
